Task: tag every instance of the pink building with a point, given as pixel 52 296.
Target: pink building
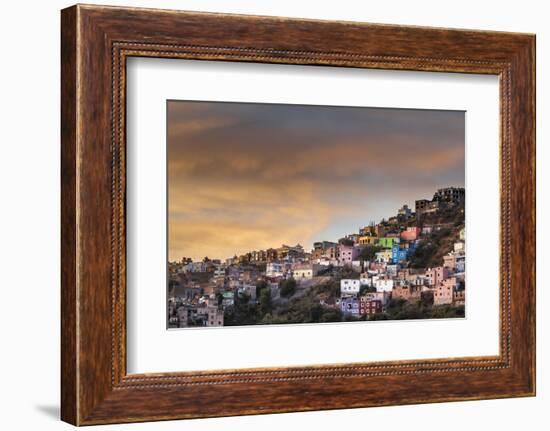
pixel 378 266
pixel 436 275
pixel 347 254
pixel 459 297
pixel 410 234
pixel 370 306
pixel 444 292
pixel 407 292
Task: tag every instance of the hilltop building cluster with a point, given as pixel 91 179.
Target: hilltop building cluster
pixel 373 267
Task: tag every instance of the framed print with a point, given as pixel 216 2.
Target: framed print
pixel 325 214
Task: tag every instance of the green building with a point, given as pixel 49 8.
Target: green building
pixel 386 242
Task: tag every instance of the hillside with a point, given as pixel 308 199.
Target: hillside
pixel 434 246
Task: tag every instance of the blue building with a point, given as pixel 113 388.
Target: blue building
pixel 350 306
pixel 400 254
pixel 460 265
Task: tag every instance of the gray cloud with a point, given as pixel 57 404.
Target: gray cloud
pixel 266 174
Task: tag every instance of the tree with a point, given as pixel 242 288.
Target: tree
pixel 366 289
pixel 241 313
pixel 260 285
pixel 287 287
pixel 265 301
pixel 422 256
pixel 331 315
pixel 369 252
pixel 327 271
pixel 347 272
pixel 331 287
pixel 219 298
pixel 378 316
pixel 241 298
pixel 315 312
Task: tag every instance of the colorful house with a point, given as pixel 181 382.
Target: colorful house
pixel 274 269
pixel 347 254
pixel 460 262
pixel 349 286
pixel 386 242
pixel 350 306
pixel 370 306
pixel 384 284
pixel 383 297
pixel 436 275
pixel 228 298
pixel 384 256
pixel 411 233
pixel 367 240
pixel 444 292
pixel 304 271
pixel 399 254
pixel 407 292
pixel 459 297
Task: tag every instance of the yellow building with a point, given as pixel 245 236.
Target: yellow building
pixel 368 240
pixel 384 256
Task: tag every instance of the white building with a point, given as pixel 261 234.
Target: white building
pixel 302 274
pixel 219 274
pixel 365 279
pixel 305 271
pixel 324 261
pixel 383 284
pixel 198 266
pixel 274 269
pixel 188 267
pixel 349 287
pixel 369 278
pixel 392 269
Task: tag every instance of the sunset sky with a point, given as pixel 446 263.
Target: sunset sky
pixel 244 176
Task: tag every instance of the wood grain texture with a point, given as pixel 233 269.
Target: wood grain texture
pixel 69 397
pixel 96 41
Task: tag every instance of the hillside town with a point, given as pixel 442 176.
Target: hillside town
pixel 409 266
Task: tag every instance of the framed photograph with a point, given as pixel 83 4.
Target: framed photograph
pixel 267 215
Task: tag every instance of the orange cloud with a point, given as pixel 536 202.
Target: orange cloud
pixel 220 222
pixel 245 177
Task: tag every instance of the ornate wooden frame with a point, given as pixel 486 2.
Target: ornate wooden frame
pixel 96 41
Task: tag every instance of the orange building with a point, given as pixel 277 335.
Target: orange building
pixel 410 234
